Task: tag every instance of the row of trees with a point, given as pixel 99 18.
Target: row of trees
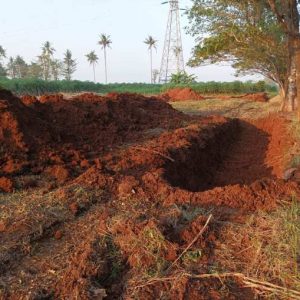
pixel 47 67
pixel 257 36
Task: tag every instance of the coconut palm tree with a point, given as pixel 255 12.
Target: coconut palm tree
pixel 151 42
pixel 45 59
pixel 48 49
pixel 93 60
pixel 105 42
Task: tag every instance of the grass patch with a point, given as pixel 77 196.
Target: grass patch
pixel 144 246
pixel 232 108
pixel 266 247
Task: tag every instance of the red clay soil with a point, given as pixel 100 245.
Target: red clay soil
pixel 35 135
pixel 181 94
pixel 129 173
pixel 256 97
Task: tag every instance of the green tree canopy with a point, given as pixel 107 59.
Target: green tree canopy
pixel 245 34
pixel 93 60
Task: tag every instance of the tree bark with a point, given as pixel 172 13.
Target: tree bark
pixel 94 72
pixel 151 63
pixel 105 65
pixel 297 63
pixel 291 91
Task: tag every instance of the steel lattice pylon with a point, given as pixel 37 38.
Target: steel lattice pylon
pixel 172 59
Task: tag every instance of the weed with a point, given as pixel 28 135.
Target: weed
pixel 191 257
pixel 114 257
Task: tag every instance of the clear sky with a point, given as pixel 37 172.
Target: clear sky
pixel 77 24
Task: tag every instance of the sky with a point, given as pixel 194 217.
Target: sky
pixel 77 24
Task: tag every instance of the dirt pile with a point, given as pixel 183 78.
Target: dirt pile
pixel 181 94
pixel 21 130
pixel 35 134
pixel 257 97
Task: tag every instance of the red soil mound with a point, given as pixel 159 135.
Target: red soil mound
pixel 72 133
pixel 29 100
pixel 181 94
pixel 257 97
pixel 51 98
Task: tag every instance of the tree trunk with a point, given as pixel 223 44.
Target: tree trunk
pixel 105 65
pixel 94 72
pixel 297 60
pixel 151 63
pixel 282 93
pixel 291 89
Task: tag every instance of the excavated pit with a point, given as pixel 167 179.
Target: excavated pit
pixel 234 153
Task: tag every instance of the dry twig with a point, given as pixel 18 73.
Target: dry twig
pixel 191 243
pixel 154 151
pixel 247 281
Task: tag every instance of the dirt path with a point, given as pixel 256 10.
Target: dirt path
pixel 245 162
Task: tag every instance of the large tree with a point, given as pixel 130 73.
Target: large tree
pixel 105 42
pixel 245 33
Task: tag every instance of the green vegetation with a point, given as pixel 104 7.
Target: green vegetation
pixel 235 87
pixel 93 59
pixel 182 78
pixel 256 37
pixel 69 65
pixel 38 87
pixel 256 45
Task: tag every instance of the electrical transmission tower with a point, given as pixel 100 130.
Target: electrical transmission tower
pixel 172 59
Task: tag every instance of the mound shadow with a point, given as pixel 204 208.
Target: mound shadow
pixel 228 157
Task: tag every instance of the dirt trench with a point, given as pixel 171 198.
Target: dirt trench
pixel 237 155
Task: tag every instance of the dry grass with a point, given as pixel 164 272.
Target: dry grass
pixel 294 151
pixel 266 247
pixel 233 108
